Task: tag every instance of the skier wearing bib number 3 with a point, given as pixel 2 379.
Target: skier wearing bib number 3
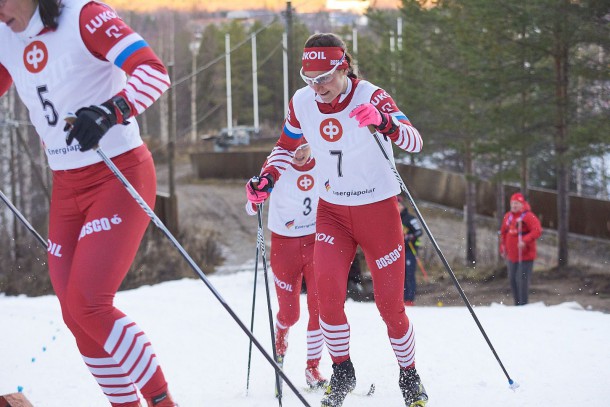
pixel 357 205
pixel 292 222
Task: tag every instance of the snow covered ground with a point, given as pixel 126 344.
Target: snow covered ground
pixel 560 355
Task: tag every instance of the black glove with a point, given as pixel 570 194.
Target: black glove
pixel 90 125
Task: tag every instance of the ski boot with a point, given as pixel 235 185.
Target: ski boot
pixel 313 377
pixel 162 400
pixel 413 390
pixel 342 381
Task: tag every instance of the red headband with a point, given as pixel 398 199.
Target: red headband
pixel 323 58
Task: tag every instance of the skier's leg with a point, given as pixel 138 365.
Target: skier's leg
pixel 315 340
pixel 114 348
pixel 333 254
pixel 286 267
pixel 383 245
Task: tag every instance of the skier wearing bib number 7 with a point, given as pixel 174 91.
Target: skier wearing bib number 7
pixel 357 205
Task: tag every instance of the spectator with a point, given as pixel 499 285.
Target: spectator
pixel 518 234
pixel 412 231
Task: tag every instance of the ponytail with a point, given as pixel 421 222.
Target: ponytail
pixel 49 12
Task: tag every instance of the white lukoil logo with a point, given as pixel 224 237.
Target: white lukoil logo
pixel 389 258
pixel 282 284
pixel 54 249
pixel 97 21
pixel 323 237
pixel 314 55
pixel 99 225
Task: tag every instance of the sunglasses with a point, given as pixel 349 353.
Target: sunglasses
pixel 324 78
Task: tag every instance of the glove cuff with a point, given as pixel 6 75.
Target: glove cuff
pixel 120 108
pixel 387 125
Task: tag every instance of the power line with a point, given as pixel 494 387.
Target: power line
pixel 222 56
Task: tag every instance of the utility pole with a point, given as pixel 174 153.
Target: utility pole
pixel 228 79
pixel 194 47
pixel 290 47
pixel 171 143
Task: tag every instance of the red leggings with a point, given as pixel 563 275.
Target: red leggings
pixel 95 229
pixel 377 229
pixel 291 260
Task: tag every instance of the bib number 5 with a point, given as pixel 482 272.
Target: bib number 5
pixel 47 106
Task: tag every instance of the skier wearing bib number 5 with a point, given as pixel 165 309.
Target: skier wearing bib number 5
pixel 69 58
pixel 357 205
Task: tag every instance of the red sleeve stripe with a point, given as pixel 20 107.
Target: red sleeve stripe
pixel 151 82
pixel 130 94
pixel 145 86
pixel 279 159
pixel 160 79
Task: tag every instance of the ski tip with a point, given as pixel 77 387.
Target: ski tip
pixel 371 390
pixel 513 384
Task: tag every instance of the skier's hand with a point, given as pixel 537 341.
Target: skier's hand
pixel 302 155
pixel 89 125
pixel 259 188
pixel 368 115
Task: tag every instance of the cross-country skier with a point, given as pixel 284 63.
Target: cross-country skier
pixel 357 205
pixel 292 221
pixel 71 56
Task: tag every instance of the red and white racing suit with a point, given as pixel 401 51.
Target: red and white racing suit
pixel 95 226
pixel 357 207
pixel 292 221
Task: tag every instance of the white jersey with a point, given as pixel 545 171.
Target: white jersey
pixel 350 168
pixel 294 202
pixel 55 74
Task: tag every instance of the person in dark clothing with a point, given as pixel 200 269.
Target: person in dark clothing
pixel 412 231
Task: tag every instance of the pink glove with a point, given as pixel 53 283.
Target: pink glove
pixel 259 188
pixel 367 115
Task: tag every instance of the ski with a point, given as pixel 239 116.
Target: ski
pixel 355 392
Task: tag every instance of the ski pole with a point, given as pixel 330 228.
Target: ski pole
pixel 513 385
pixel 155 219
pixel 419 263
pixel 23 220
pixel 261 243
pixel 252 315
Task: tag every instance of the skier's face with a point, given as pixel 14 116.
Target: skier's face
pixel 328 91
pixel 16 14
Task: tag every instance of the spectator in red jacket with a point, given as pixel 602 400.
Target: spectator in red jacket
pixel 518 234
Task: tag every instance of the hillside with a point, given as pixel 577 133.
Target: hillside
pixel 218 205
